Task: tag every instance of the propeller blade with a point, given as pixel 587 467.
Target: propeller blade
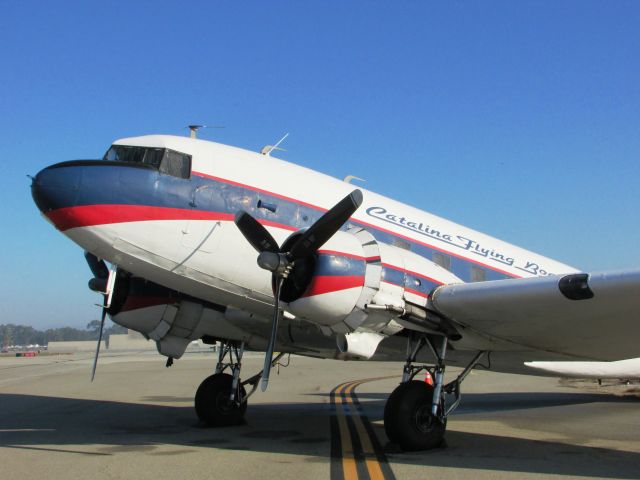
pixel 326 226
pixel 268 356
pixel 95 360
pixel 111 281
pixel 255 233
pixel 97 266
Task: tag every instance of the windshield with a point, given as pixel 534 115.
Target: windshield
pixel 163 159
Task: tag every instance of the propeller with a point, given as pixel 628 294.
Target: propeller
pixel 280 260
pixel 103 282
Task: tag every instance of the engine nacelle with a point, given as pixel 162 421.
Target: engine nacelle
pixel 353 271
pixel 173 319
pixel 168 317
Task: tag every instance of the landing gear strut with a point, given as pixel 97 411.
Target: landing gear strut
pixel 221 399
pixel 415 416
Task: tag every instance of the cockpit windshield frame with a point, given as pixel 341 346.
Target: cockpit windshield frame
pixel 165 160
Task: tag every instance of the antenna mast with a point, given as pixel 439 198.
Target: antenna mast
pixel 267 149
pixel 193 129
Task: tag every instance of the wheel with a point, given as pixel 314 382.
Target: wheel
pixel 212 402
pixel 408 420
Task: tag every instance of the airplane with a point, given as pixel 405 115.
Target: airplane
pixel 213 242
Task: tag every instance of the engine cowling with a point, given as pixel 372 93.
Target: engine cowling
pixel 170 318
pixel 173 319
pixel 353 273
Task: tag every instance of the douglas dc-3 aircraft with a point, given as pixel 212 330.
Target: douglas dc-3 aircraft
pixel 354 275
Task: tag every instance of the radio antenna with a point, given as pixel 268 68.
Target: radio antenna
pixel 349 178
pixel 193 129
pixel 267 149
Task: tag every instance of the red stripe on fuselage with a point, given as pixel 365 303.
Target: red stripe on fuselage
pixel 72 217
pixel 416 292
pixel 411 272
pixel 327 284
pixel 348 255
pixel 90 215
pixel 407 290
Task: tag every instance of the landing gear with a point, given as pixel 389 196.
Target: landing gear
pixel 221 399
pixel 408 420
pixel 415 416
pixel 213 401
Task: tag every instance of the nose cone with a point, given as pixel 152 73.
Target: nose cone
pixel 55 187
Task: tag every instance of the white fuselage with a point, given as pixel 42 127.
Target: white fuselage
pixel 180 233
pixel 209 258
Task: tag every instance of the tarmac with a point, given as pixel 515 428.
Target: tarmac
pixel 319 419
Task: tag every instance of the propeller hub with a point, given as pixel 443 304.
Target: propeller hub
pixel 98 285
pixel 277 263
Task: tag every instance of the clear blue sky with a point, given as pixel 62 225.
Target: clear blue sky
pixel 520 119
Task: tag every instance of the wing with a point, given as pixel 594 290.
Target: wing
pixel 594 316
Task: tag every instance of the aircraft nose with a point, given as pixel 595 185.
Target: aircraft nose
pixel 55 187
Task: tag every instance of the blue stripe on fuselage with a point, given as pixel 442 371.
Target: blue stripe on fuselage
pixel 97 184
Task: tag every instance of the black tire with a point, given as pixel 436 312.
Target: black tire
pixel 212 402
pixel 408 420
pixel 390 413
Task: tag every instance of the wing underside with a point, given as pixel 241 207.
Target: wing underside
pixel 590 316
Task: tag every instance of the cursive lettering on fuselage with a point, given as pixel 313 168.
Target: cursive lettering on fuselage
pixel 419 227
pixel 458 241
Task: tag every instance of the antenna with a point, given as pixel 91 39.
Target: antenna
pixel 267 149
pixel 193 129
pixel 348 178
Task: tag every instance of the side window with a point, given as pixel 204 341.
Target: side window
pixel 153 156
pixel 478 274
pixel 176 164
pixel 398 242
pixel 441 259
pixel 111 155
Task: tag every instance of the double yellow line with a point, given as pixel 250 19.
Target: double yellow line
pixel 356 452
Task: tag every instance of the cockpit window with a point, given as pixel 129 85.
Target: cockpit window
pixel 176 164
pixel 165 160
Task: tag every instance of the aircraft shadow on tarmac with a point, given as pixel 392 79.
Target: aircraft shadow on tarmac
pixel 501 402
pixel 109 428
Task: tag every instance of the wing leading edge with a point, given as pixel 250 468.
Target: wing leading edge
pixel 592 316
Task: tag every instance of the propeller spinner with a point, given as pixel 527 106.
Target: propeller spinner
pixel 280 262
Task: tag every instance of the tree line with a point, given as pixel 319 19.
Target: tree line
pixel 12 334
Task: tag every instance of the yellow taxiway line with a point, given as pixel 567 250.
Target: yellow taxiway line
pixel 359 454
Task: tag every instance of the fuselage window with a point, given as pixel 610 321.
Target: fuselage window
pixel 401 244
pixel 165 160
pixel 441 259
pixel 478 274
